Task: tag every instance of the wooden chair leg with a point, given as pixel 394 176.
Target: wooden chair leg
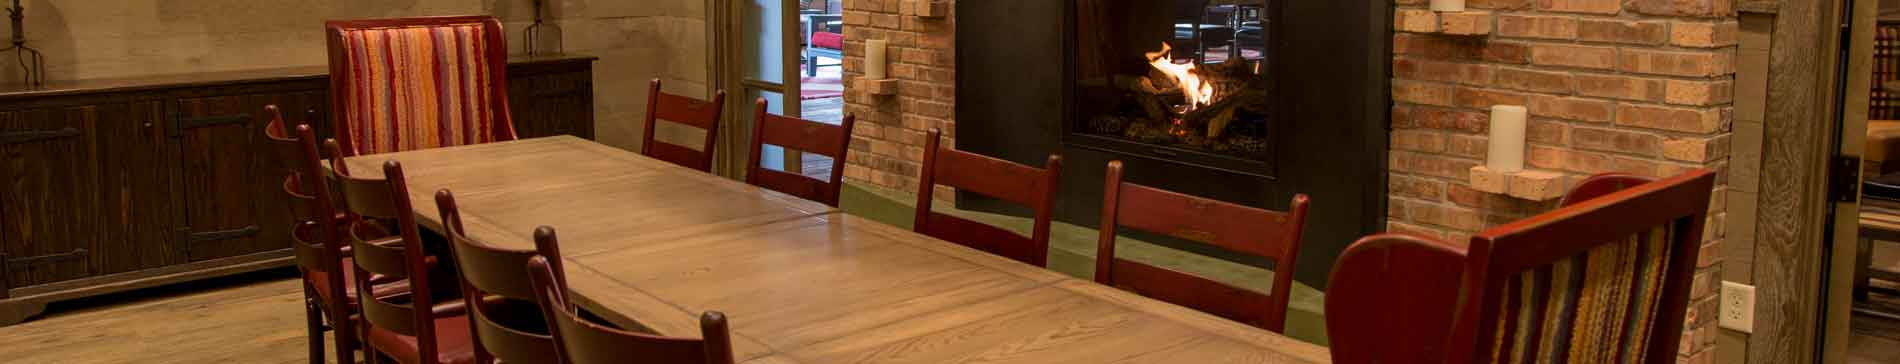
pixel 346 338
pixel 313 319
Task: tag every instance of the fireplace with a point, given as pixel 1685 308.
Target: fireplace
pixel 1247 101
pixel 1186 79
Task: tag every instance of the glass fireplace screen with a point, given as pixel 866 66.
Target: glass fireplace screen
pixel 1186 74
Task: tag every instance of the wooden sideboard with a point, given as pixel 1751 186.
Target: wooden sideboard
pixel 112 185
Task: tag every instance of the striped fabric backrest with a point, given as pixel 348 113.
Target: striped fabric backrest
pixel 408 84
pixel 1604 280
pixel 1596 307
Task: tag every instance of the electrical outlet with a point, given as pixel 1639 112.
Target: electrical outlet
pixel 1738 307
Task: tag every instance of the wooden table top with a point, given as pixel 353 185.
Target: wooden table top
pixel 651 246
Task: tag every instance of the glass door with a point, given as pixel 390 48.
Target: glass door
pixel 757 56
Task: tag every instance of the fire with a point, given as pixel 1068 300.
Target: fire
pixel 1199 93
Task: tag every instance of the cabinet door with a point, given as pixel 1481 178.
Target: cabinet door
pixel 552 101
pixel 49 205
pixel 138 205
pixel 234 201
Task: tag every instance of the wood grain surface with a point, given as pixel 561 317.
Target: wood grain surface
pixel 650 245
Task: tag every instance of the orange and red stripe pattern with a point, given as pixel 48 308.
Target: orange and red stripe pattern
pixel 417 88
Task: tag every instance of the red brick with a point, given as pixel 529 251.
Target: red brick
pixel 1537 26
pixel 1703 34
pixel 1587 162
pixel 1420 140
pixel 1547 131
pixel 1616 141
pixel 1672 63
pixel 1621 87
pixel 1465 23
pixel 1478 98
pixel 1544 157
pixel 1570 108
pixel 1467 121
pixel 1694 8
pixel 1428 70
pixel 1700 93
pixel 1468 146
pixel 1415 21
pixel 1414 187
pixel 1496 4
pixel 1670 118
pixel 1563 55
pixel 1535 81
pixel 1608 7
pixel 1421 93
pixel 1622 31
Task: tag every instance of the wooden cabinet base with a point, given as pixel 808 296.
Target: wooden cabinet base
pixel 31 301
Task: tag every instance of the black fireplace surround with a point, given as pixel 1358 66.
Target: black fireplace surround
pixel 1299 102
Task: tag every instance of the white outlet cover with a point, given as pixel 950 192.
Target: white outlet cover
pixel 1738 307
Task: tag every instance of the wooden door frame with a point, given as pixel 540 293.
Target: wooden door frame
pixel 1804 238
pixel 724 62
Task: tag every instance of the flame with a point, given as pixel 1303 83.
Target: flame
pixel 1199 93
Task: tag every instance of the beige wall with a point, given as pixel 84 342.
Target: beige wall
pixel 635 39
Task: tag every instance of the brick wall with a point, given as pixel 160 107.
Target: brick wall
pixel 1635 86
pixel 887 144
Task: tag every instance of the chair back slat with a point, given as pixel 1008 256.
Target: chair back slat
pixel 1232 227
pixel 1034 188
pixel 1001 179
pixel 312 250
pixel 418 83
pixel 514 341
pixel 679 155
pixel 686 111
pixel 980 236
pixel 1202 294
pixel 806 136
pixel 579 341
pixel 1274 236
pixel 1601 280
pixel 395 317
pixel 370 197
pixel 384 257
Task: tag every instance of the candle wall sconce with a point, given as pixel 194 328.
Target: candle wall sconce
pixel 31 62
pixel 540 28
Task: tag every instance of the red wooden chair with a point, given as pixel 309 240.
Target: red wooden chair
pixel 582 342
pixel 1230 227
pixel 806 136
pixel 321 258
pixel 687 111
pixel 1603 280
pixel 1030 187
pixel 500 300
pixel 411 327
pixel 418 83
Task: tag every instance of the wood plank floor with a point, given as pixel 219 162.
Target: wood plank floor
pixel 250 318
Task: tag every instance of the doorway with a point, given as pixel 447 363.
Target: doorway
pixel 788 53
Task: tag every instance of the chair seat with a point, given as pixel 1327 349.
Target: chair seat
pixel 453 344
pixel 322 284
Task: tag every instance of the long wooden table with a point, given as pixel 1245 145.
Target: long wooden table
pixel 650 245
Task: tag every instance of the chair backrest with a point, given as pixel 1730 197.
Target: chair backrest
pixel 500 300
pixel 418 83
pixel 1027 186
pixel 1230 227
pixel 1600 281
pixel 582 342
pixel 805 136
pixel 1602 184
pixel 381 204
pixel 1882 103
pixel 313 232
pixel 1364 324
pixel 686 111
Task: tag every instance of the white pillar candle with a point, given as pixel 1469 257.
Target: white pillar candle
pixel 1507 139
pixel 1448 5
pixel 874 58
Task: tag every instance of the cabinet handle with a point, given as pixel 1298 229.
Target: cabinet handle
pixel 184 123
pixel 22 136
pixel 49 258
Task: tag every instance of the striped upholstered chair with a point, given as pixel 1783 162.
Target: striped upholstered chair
pixel 418 83
pixel 1600 280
